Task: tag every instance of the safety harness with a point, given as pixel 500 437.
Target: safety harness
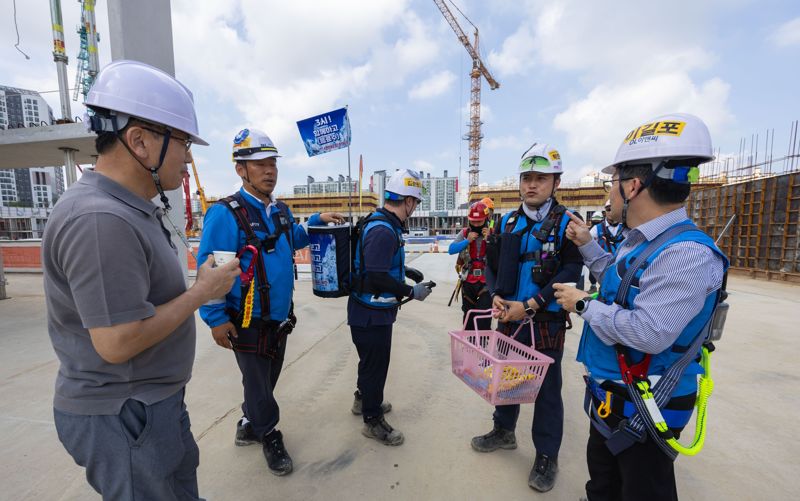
pixel 255 276
pixel 611 241
pixel 357 246
pixel 649 401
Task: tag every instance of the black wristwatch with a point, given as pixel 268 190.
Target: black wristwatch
pixel 582 304
pixel 528 310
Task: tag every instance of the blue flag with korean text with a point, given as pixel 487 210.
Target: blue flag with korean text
pixel 327 132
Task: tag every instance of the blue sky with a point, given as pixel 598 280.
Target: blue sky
pixel 574 73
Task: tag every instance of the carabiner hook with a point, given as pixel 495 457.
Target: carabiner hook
pixel 604 409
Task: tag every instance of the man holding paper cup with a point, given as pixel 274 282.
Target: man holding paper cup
pixel 256 315
pixel 118 312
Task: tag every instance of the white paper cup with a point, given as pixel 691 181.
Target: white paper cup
pixel 222 257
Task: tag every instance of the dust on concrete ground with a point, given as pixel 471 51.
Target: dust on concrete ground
pixel 751 450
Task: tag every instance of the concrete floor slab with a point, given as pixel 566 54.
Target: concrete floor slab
pixel 751 451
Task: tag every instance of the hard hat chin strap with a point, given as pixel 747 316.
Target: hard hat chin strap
pixel 153 170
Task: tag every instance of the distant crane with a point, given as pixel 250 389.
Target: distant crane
pixel 190 230
pixel 88 64
pixel 478 69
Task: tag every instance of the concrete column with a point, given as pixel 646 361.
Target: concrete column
pixel 142 31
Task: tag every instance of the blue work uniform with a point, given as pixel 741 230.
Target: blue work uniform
pixel 222 233
pixel 370 318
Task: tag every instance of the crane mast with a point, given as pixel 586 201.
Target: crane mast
pixel 478 70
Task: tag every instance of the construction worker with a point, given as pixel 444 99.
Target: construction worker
pixel 534 256
pixel 379 264
pixel 608 234
pixel 653 329
pixel 257 314
pixel 119 314
pixel 489 203
pixel 470 245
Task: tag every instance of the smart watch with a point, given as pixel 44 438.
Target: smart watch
pixel 528 310
pixel 582 304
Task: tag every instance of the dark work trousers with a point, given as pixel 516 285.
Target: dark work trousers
pixel 475 297
pixel 548 411
pixel 144 452
pixel 640 472
pixel 374 346
pixel 592 280
pixel 259 377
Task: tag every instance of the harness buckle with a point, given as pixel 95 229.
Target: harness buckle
pixel 632 372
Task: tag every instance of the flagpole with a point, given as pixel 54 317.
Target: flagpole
pixel 360 174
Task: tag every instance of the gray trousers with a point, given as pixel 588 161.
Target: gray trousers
pixel 144 452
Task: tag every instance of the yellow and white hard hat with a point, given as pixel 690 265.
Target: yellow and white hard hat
pixel 404 183
pixel 541 157
pixel 677 136
pixel 253 144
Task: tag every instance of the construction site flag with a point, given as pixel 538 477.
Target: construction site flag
pixel 327 132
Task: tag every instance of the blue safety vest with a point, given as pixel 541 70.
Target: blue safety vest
pixel 382 300
pixel 601 360
pixel 607 241
pixel 530 245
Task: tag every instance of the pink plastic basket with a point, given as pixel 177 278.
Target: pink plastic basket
pixel 500 369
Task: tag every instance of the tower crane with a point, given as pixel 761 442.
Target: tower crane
pixel 478 69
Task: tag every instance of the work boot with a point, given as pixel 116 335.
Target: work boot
pixel 380 430
pixel 543 473
pixel 278 459
pixel 245 434
pixel 498 438
pixel 386 407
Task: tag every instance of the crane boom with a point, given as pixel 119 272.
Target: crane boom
pixel 478 69
pixel 472 51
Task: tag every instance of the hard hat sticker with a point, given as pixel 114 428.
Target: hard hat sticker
pixel 413 182
pixel 665 128
pixel 241 136
pixel 554 155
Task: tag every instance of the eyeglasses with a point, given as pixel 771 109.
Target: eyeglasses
pixel 608 184
pixel 186 141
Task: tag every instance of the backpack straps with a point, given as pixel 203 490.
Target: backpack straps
pixel 236 204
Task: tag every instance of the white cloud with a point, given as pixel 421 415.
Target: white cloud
pixel 423 165
pixel 787 34
pixel 575 35
pixel 434 86
pixel 595 125
pixel 273 77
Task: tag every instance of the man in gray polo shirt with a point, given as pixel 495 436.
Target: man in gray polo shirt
pixel 119 315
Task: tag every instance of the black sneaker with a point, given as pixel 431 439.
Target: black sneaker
pixel 380 430
pixel 245 434
pixel 498 438
pixel 386 407
pixel 543 474
pixel 278 459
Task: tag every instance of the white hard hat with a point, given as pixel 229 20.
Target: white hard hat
pixel 541 158
pixel 404 183
pixel 678 136
pixel 253 144
pixel 134 89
